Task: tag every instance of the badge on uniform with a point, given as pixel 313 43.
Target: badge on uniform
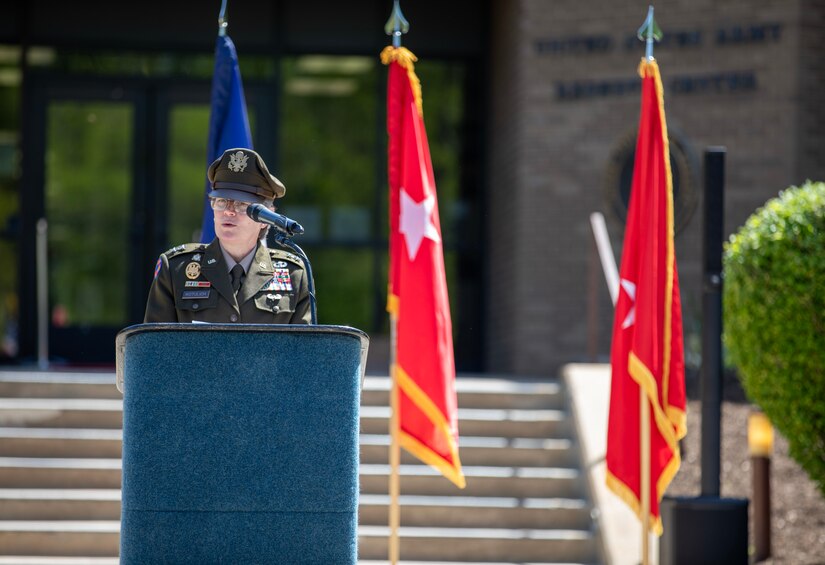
pixel 279 264
pixel 157 268
pixel 194 294
pixel 193 270
pixel 197 284
pixel 280 281
pixel 197 257
pixel 237 161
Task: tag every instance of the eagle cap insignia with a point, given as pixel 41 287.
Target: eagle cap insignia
pixel 237 161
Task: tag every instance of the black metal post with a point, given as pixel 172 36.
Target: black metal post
pixel 761 489
pixel 708 528
pixel 711 381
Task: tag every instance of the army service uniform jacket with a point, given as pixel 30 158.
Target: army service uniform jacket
pixel 192 283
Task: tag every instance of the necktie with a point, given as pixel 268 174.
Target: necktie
pixel 237 277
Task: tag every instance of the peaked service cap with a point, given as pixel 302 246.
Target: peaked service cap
pixel 241 174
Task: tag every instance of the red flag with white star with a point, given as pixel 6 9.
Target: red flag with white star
pixel 417 294
pixel 647 349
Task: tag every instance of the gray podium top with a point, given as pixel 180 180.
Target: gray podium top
pixel 126 333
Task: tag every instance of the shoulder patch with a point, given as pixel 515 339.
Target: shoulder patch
pixel 185 248
pixel 280 254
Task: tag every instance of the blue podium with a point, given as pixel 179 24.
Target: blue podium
pixel 240 443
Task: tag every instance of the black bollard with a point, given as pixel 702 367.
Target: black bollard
pixel 711 381
pixel 708 529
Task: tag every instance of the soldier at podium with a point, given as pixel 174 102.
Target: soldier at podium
pixel 236 278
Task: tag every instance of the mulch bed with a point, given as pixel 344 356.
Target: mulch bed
pixel 798 507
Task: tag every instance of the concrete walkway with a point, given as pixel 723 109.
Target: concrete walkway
pixel 589 389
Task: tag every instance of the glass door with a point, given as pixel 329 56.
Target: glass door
pixel 186 171
pixel 88 196
pixel 119 174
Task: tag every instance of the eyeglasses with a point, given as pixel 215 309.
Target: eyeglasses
pixel 221 204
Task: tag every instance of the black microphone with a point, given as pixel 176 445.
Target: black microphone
pixel 261 213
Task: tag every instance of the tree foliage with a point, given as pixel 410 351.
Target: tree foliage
pixel 774 308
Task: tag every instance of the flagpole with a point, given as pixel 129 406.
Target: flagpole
pixel 644 432
pixel 395 26
pixel 649 32
pixel 395 450
pixel 222 21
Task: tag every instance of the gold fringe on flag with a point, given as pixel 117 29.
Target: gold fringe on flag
pixel 406 59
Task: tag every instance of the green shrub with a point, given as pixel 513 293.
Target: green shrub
pixel 774 312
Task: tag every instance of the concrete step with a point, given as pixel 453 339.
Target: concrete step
pixel 92 538
pixel 481 544
pixel 101 538
pixel 63 560
pixel 54 384
pixel 482 392
pixel 473 392
pixel 433 511
pixel 477 512
pixel 428 562
pixel 491 451
pixel 60 442
pixel 59 504
pixel 49 472
pixel 108 414
pixel 99 413
pixel 518 482
pixel 102 413
pixel 534 423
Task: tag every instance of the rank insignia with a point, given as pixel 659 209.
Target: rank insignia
pixel 197 284
pixel 193 270
pixel 157 268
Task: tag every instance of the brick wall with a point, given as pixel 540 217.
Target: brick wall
pixel 811 116
pixel 564 103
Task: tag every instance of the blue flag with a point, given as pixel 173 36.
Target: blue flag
pixel 228 121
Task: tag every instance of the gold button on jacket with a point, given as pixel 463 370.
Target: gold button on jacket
pixel 275 290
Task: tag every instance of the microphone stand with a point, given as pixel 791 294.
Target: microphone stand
pixel 285 240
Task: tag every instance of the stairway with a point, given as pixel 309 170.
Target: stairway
pixel 526 498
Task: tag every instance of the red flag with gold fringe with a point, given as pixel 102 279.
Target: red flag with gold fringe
pixel 647 348
pixel 417 296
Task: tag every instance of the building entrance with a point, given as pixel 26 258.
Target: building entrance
pixel 116 166
pixel 110 166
